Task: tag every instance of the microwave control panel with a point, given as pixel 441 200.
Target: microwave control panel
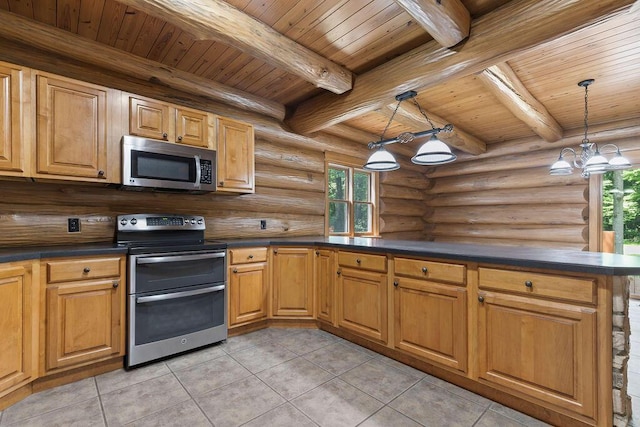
pixel 206 172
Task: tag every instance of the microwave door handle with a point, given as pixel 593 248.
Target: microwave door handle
pixel 174 295
pixel 198 171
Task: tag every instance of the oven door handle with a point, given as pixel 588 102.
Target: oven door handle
pixel 174 295
pixel 176 258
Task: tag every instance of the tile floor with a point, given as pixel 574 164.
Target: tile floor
pixel 272 377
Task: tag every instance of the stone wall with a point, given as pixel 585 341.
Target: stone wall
pixel 621 333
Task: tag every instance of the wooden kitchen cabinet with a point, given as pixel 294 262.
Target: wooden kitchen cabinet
pixel 155 119
pixel 324 278
pixel 292 282
pixel 85 310
pixel 248 285
pixel 77 130
pixel 430 311
pixel 545 347
pixel 235 161
pixel 362 294
pixel 19 320
pixel 17 119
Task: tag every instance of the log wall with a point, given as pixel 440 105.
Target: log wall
pixel 507 197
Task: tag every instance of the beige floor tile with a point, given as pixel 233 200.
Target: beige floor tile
pixel 239 402
pixel 121 378
pixel 283 416
pixel 201 379
pixel 183 414
pixel 387 417
pixel 87 413
pixel 337 404
pixel 380 380
pixel 337 358
pixel 196 357
pixel 305 341
pixel 139 400
pixel 294 377
pixel 262 356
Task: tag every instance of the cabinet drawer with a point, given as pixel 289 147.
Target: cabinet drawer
pixel 363 261
pixel 430 270
pixel 247 255
pixel 82 269
pixel 538 284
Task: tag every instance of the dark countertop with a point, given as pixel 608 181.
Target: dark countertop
pixel 563 260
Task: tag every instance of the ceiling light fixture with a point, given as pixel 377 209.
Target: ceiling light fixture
pixel 433 152
pixel 590 160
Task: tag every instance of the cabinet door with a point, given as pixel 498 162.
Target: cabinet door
pixel 192 127
pixel 151 119
pixel 84 322
pixel 15 121
pixel 431 321
pixel 325 273
pixel 362 303
pixel 542 349
pixel 71 129
pixel 235 161
pixel 292 282
pixel 248 290
pixel 18 332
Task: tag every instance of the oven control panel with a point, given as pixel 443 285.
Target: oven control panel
pixel 149 222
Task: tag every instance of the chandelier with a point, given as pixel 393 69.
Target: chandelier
pixel 432 152
pixel 590 159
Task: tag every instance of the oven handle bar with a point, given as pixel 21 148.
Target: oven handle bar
pixel 174 295
pixel 176 258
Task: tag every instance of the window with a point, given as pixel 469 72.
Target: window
pixel 351 208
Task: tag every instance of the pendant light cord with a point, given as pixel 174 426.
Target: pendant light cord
pixel 415 101
pixel 390 120
pixel 586 114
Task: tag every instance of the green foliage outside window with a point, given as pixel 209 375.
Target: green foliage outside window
pixel 631 204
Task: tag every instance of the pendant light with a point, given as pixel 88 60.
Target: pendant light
pixel 590 159
pixel 432 152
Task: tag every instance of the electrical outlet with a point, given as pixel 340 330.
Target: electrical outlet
pixel 73 225
pixel 263 224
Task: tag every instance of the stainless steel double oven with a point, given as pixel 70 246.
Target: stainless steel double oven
pixel 177 285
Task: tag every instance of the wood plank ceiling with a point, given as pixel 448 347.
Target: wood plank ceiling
pixel 338 63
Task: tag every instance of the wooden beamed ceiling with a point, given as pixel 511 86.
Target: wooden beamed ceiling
pixel 486 66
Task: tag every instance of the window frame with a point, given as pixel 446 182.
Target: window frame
pixel 352 165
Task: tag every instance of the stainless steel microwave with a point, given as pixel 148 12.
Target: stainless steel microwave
pixel 148 163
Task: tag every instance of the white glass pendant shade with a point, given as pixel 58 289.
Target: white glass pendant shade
pixel 433 152
pixel 597 164
pixel 561 167
pixel 381 160
pixel 619 162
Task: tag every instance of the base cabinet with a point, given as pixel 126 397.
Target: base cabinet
pixel 541 349
pixel 18 326
pixel 248 285
pixel 85 309
pixel 293 282
pixel 324 278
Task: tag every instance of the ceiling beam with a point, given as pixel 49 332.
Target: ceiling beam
pixel 505 85
pixel 495 37
pixel 364 137
pixel 409 115
pixel 220 21
pixel 52 39
pixel 448 22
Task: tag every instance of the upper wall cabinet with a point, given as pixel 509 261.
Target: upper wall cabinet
pixel 77 130
pixel 155 119
pixel 236 166
pixel 16 119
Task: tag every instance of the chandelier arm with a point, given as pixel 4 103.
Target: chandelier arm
pixel 433 131
pixel 614 146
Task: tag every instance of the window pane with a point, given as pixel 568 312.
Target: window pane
pixel 337 184
pixel 338 217
pixel 362 218
pixel 361 186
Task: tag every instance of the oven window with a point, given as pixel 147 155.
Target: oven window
pixel 162 166
pixel 159 273
pixel 159 320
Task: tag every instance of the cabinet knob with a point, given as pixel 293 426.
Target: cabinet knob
pixel 481 298
pixel 250 256
pixel 180 138
pixel 424 270
pixel 338 272
pixel 221 184
pixel 86 269
pixel 358 260
pixel 115 284
pixel 235 270
pixel 164 135
pixel 528 284
pixel 275 251
pixel 395 283
pixel 317 253
pixel 100 173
